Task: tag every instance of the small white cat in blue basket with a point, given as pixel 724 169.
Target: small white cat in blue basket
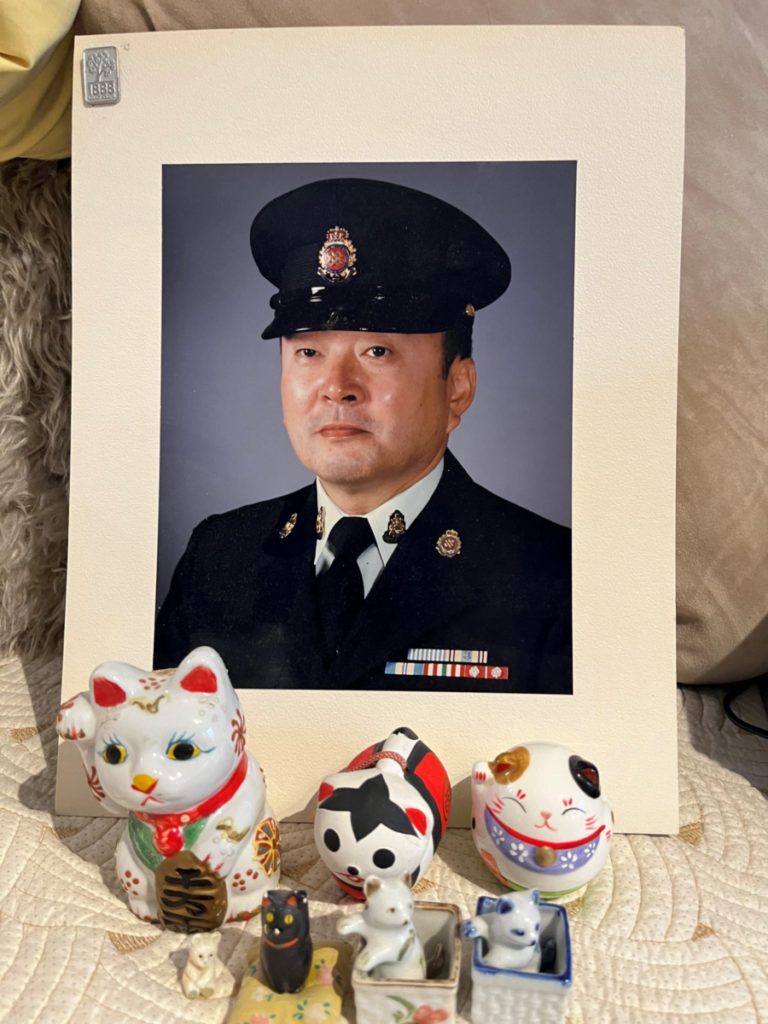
pixel 511 930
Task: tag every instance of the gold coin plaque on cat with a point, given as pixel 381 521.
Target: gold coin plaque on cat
pixel 191 897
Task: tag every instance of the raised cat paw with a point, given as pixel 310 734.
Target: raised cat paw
pixel 75 720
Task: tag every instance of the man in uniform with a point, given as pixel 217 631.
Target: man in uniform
pixel 393 570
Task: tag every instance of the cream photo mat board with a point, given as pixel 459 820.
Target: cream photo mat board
pixel 610 99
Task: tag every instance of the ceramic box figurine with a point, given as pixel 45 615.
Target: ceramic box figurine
pixel 511 932
pixel 408 969
pixel 201 844
pixel 539 819
pixel 384 814
pixel 505 994
pixel 392 948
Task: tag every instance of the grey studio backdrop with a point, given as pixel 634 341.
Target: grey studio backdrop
pixel 222 439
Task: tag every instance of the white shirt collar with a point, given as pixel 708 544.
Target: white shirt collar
pixel 409 502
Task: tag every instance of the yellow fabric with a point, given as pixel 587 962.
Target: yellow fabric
pixel 316 1003
pixel 36 42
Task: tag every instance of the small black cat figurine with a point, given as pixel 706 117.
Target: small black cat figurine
pixel 286 948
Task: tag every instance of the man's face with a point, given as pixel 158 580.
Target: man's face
pixel 369 413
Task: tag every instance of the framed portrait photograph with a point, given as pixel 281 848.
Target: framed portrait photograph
pixel 477 595
pixel 374 390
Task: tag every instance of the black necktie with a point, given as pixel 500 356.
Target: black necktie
pixel 340 587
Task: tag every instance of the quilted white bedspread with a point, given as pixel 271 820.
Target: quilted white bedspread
pixel 675 929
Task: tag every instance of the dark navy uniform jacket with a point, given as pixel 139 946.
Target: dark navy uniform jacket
pixel 248 592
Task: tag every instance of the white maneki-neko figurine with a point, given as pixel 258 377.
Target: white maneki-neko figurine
pixel 201 845
pixel 539 819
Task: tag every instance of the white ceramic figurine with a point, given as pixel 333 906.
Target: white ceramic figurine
pixel 512 931
pixel 384 814
pixel 539 819
pixel 201 844
pixel 392 947
pixel 205 976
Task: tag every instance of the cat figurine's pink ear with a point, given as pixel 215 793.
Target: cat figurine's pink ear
pixel 200 679
pixel 113 684
pixel 106 693
pixel 204 674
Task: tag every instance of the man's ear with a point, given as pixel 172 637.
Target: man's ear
pixel 462 384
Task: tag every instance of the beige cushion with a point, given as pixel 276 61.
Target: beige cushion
pixel 722 551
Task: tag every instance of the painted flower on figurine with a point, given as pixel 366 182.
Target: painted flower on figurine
pixel 428 1015
pixel 260 992
pixel 238 732
pixel 266 845
pixel 325 975
pixel 261 1018
pixel 94 784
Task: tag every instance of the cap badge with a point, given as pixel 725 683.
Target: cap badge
pixel 337 256
pixel 395 528
pixel 320 523
pixel 448 544
pixel 288 527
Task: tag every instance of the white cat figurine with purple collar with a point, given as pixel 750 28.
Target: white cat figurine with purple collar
pixel 539 819
pixel 201 845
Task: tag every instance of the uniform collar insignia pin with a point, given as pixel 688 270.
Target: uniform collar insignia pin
pixel 395 528
pixel 448 544
pixel 320 523
pixel 288 527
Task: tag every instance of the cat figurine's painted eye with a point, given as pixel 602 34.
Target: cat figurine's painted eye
pixel 539 819
pixel 286 947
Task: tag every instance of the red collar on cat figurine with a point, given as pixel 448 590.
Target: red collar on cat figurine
pixel 167 836
pixel 279 945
